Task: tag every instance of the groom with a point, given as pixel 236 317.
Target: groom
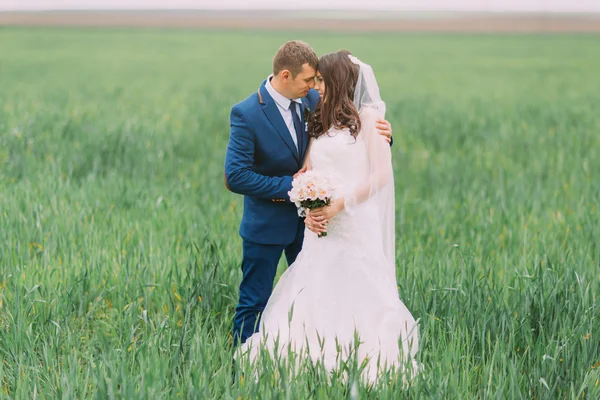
pixel 267 145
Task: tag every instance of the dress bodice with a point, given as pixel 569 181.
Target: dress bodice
pixel 342 157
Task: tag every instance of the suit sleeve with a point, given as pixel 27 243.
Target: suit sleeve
pixel 313 99
pixel 239 160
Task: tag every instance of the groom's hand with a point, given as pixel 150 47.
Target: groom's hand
pixel 301 171
pixel 306 167
pixel 384 128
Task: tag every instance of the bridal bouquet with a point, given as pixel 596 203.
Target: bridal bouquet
pixel 310 190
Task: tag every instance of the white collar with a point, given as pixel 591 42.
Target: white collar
pixel 280 99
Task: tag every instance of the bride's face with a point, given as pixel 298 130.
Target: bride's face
pixel 320 85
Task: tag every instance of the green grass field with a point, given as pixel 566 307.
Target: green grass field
pixel 119 253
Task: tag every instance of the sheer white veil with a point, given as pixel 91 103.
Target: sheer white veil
pixel 366 92
pixel 378 188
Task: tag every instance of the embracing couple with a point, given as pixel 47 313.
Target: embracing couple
pixel 324 115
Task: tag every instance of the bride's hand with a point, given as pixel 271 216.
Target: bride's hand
pixel 314 226
pixel 324 214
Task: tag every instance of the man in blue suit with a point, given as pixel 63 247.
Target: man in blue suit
pixel 267 145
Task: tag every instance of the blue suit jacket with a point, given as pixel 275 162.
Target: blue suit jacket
pixel 260 161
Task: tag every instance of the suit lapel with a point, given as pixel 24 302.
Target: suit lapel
pixel 305 112
pixel 270 109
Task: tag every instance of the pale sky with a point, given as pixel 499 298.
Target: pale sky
pixel 408 5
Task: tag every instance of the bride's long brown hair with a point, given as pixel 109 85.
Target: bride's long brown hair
pixel 336 109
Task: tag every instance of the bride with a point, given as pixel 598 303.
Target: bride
pixel 343 286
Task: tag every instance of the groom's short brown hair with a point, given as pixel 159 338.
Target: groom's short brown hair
pixel 292 56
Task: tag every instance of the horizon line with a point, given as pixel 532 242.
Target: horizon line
pixel 371 10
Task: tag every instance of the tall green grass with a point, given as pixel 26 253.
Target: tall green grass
pixel 119 253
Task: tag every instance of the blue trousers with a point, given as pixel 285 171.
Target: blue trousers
pixel 259 266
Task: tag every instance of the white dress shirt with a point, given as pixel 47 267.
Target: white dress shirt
pixel 283 104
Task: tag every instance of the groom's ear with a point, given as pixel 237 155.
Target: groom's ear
pixel 285 74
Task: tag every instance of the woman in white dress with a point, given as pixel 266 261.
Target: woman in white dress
pixel 343 286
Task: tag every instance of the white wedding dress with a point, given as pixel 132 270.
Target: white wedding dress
pixel 345 282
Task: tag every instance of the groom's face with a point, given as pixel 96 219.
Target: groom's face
pixel 302 83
